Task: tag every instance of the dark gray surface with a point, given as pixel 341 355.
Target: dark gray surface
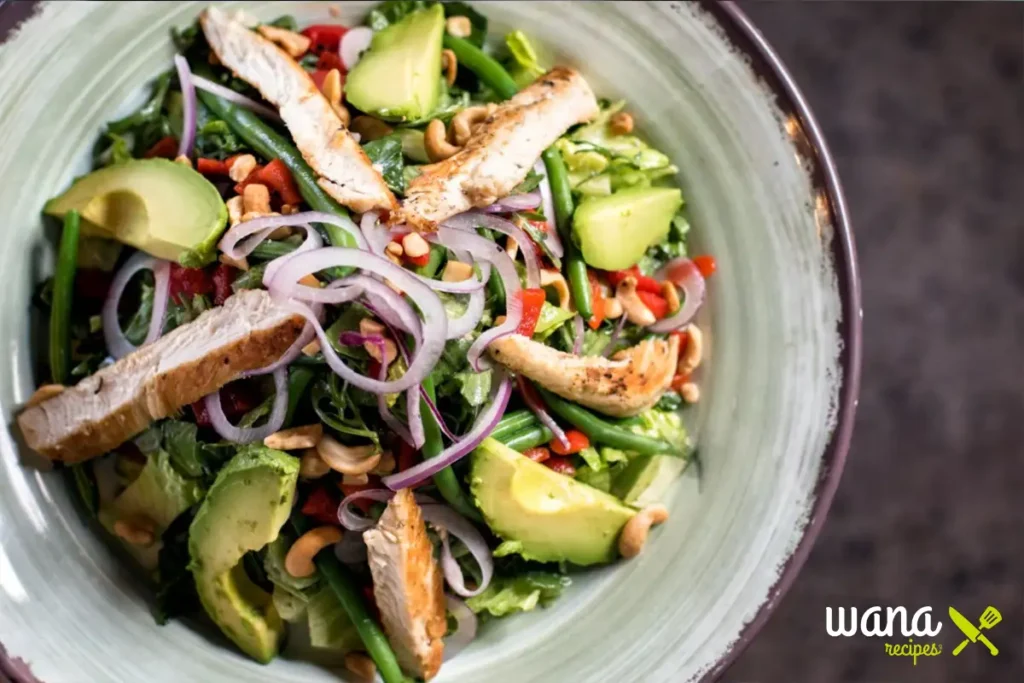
pixel 923 107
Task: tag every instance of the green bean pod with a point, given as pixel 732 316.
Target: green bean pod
pixel 602 432
pixel 63 296
pixel 445 480
pixel 530 437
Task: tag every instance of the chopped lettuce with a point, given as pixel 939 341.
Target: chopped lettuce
pixel 549 320
pixel 600 479
pixel 666 425
pixel 594 342
pixel 387 157
pixel 273 565
pixel 525 67
pixel 329 623
pixel 392 11
pixel 522 593
pixel 476 386
pixel 290 606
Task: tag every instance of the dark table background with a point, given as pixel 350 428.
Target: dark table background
pixel 923 106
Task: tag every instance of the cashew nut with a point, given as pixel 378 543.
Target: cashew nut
pixel 387 464
pixel 241 167
pixel 621 124
pixel 240 263
pixel 612 308
pixel 295 438
pixel 555 280
pixel 459 27
pixel 312 466
pixel 463 122
pixel 694 351
pixel 395 249
pixel 312 348
pixel 348 459
pixel 690 392
pixel 511 247
pixel 44 393
pixel 634 533
pixel 137 530
pixel 255 199
pixel 299 560
pixel 636 310
pixel 451 66
pixel 355 479
pixel 671 295
pixel 456 271
pixel 289 209
pixel 370 128
pixel 235 210
pixel 183 160
pixel 369 327
pixel 360 665
pixel 415 246
pixel 295 44
pixel 436 143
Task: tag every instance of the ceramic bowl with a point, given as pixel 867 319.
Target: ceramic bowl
pixel 778 389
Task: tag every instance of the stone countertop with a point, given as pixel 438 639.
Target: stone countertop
pixel 923 107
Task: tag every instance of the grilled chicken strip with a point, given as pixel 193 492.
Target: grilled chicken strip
pixel 344 169
pixel 248 332
pixel 407 586
pixel 500 152
pixel 628 383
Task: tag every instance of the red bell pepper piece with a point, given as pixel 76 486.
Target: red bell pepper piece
pixel 324 37
pixel 166 148
pixel 322 506
pixel 189 281
pixel 277 177
pixel 331 60
pixel 418 261
pixel 562 466
pixel 577 442
pixel 212 166
pixel 643 283
pixel 533 300
pixel 656 302
pixel 223 276
pixel 706 264
pixel 537 453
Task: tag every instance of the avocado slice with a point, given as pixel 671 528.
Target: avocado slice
pixel 614 231
pixel 158 494
pixel 244 510
pixel 399 79
pixel 549 516
pixel 645 479
pixel 161 207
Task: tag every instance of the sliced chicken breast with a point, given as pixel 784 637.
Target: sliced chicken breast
pixel 407 586
pixel 500 152
pixel 344 169
pixel 628 383
pixel 248 332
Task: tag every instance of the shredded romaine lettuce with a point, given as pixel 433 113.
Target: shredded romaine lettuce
pixel 549 320
pixel 525 68
pixel 329 623
pixel 522 593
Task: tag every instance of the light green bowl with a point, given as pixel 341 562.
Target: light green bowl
pixel 778 389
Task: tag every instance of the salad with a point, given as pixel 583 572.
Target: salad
pixel 362 336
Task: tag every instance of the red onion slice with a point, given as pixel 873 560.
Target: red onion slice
pixel 377 235
pixel 515 202
pixel 471 220
pixel 529 395
pixel 354 522
pixel 683 272
pixel 435 325
pixel 577 342
pixel 467 322
pixel 444 517
pixel 118 345
pixel 234 97
pixel 235 434
pixel 189 105
pixel 465 627
pixel 610 346
pixel 483 426
pixel 548 202
pixel 353 44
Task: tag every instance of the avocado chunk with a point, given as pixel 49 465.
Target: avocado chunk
pixel 399 79
pixel 547 516
pixel 244 510
pixel 158 495
pixel 646 478
pixel 161 207
pixel 614 231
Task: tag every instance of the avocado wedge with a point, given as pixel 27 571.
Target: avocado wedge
pixel 244 510
pixel 161 207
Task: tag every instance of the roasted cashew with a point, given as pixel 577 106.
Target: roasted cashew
pixel 348 459
pixel 240 263
pixel 671 294
pixel 451 66
pixel 694 351
pixel 612 308
pixel 138 530
pixel 690 392
pixel 463 122
pixel 255 199
pixel 369 327
pixel 295 44
pixel 241 167
pixel 634 534
pixel 370 128
pixel 295 438
pixel 312 466
pixel 459 26
pixel 299 560
pixel 436 143
pixel 555 280
pixel 621 123
pixel 359 664
pixel 414 245
pixel 236 209
pixel 636 310
pixel 456 271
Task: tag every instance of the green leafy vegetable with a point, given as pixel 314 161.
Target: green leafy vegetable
pixel 551 317
pixel 63 297
pixel 530 183
pixel 273 565
pixel 476 387
pixel 181 441
pixel 391 11
pixel 525 68
pixel 333 405
pixel 386 156
pixel 329 624
pixel 522 593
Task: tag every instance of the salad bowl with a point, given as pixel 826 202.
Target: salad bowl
pixel 778 389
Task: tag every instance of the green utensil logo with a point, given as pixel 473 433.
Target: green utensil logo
pixel 989 618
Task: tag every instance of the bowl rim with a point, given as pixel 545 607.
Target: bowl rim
pixel 741 32
pixel 766 64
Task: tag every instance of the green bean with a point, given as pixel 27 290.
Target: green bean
pixel 528 438
pixel 488 70
pixel 495 287
pixel 299 377
pixel 344 587
pixel 600 431
pixel 493 74
pixel 151 109
pixel 512 422
pixel 268 250
pixel 445 480
pixel 63 294
pixel 575 266
pixel 429 269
